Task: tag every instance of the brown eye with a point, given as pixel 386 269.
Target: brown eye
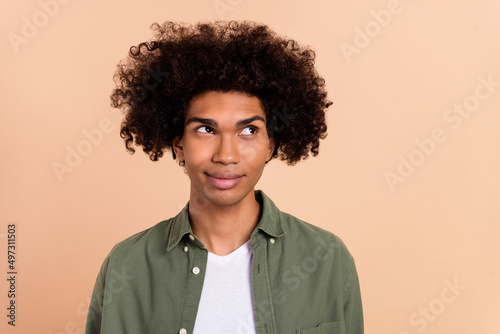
pixel 250 130
pixel 204 129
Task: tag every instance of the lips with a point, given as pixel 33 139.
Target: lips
pixel 224 180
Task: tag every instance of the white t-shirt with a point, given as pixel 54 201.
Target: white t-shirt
pixel 226 299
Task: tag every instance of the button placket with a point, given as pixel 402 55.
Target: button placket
pixel 196 264
pixel 263 307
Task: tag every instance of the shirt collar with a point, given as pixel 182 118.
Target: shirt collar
pixel 271 221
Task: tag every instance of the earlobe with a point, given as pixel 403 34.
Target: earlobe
pixel 270 150
pixel 177 147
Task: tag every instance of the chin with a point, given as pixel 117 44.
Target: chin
pixel 227 197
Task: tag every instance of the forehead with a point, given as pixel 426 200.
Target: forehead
pixel 214 105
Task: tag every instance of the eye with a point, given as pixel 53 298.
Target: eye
pixel 204 129
pixel 249 130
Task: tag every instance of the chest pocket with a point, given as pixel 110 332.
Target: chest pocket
pixel 337 327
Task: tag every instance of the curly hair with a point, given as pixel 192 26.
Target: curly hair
pixel 157 81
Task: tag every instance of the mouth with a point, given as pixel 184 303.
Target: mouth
pixel 224 180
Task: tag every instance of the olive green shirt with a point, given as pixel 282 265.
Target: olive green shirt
pixel 303 279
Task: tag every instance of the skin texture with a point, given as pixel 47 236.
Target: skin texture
pixel 214 146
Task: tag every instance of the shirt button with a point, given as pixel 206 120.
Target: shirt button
pixel 183 331
pixel 272 240
pixel 196 270
pixel 185 249
pixel 191 237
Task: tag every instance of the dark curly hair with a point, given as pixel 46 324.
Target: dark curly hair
pixel 155 84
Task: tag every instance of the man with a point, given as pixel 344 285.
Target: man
pixel 225 98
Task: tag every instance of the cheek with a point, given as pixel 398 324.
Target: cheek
pixel 256 153
pixel 196 152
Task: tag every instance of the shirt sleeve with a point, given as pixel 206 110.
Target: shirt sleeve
pixel 353 309
pixel 94 315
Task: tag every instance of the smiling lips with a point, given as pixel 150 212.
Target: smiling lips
pixel 224 180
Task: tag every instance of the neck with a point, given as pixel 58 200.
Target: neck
pixel 224 228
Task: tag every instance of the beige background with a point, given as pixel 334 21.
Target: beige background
pixel 436 224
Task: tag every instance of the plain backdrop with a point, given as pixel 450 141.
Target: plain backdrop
pixel 408 176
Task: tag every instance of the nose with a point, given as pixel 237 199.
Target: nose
pixel 226 151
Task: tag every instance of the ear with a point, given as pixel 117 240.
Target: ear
pixel 178 149
pixel 270 149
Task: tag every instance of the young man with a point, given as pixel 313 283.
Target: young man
pixel 225 98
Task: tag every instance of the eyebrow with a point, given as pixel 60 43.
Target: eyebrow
pixel 214 123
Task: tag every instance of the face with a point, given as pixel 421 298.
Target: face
pixel 225 146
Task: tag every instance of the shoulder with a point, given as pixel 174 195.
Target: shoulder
pixel 152 239
pixel 305 237
pixel 297 228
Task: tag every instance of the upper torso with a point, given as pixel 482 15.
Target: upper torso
pixel 303 280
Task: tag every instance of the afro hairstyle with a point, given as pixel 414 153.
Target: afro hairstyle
pixel 159 78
